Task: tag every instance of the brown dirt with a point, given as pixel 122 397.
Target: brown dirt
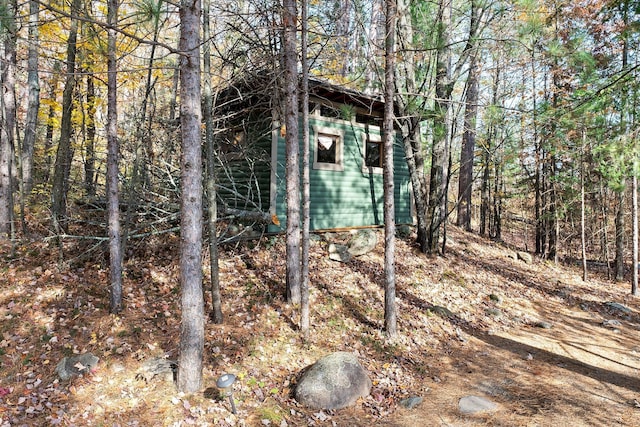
pixel 579 372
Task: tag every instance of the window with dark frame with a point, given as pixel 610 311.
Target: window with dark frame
pixel 373 156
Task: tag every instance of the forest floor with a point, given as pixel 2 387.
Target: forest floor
pixel 579 370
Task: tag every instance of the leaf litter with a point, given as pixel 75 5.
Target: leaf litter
pixel 450 343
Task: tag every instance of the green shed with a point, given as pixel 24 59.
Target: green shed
pixel 345 165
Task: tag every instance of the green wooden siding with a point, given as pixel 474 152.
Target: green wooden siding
pixel 350 197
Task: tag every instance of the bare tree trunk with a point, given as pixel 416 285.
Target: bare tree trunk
pixel 634 212
pixel 410 122
pixel 583 236
pixel 192 325
pixel 113 154
pixel 289 18
pixel 437 211
pixel 33 103
pixel 212 206
pixel 64 153
pixel 306 184
pixel 8 122
pixel 465 179
pixel 390 310
pixel 620 223
pixel 485 193
pixel 48 139
pixel 90 157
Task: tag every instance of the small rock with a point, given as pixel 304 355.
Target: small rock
pixel 441 311
pixel 544 325
pixel 493 312
pixel 618 307
pixel 526 257
pixel 495 298
pixel 339 253
pixel 470 405
pixel 159 367
pixel 613 323
pixel 76 365
pixel 411 402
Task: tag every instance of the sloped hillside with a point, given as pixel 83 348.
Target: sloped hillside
pixel 544 346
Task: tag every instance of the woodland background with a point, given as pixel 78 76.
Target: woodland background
pixel 523 111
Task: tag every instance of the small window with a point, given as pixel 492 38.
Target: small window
pixel 328 147
pixel 373 156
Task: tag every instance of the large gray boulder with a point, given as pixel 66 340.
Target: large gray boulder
pixel 333 382
pixel 362 242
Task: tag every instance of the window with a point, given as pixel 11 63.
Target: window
pixel 373 161
pixel 373 154
pixel 328 147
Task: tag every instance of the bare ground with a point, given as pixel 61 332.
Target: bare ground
pixel 582 371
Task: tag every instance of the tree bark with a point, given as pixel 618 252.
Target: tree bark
pixel 306 184
pixel 410 122
pixel 634 212
pixel 437 211
pixel 64 152
pixel 390 311
pixel 289 15
pixel 90 159
pixel 8 123
pixel 192 301
pixel 212 206
pixel 33 103
pixel 465 178
pixel 113 154
pixel 620 223
pixel 583 233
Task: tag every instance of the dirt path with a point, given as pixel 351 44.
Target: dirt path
pixel 577 373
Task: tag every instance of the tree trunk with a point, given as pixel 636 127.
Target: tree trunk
pixel 410 122
pixel 64 152
pixel 8 123
pixel 192 325
pixel 113 154
pixel 212 206
pixel 90 158
pixel 289 15
pixel 48 139
pixel 485 193
pixel 583 235
pixel 306 183
pixel 437 212
pixel 465 179
pixel 634 212
pixel 33 103
pixel 620 223
pixel 390 311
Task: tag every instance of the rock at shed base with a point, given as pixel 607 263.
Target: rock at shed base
pixel 333 382
pixel 339 253
pixel 364 241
